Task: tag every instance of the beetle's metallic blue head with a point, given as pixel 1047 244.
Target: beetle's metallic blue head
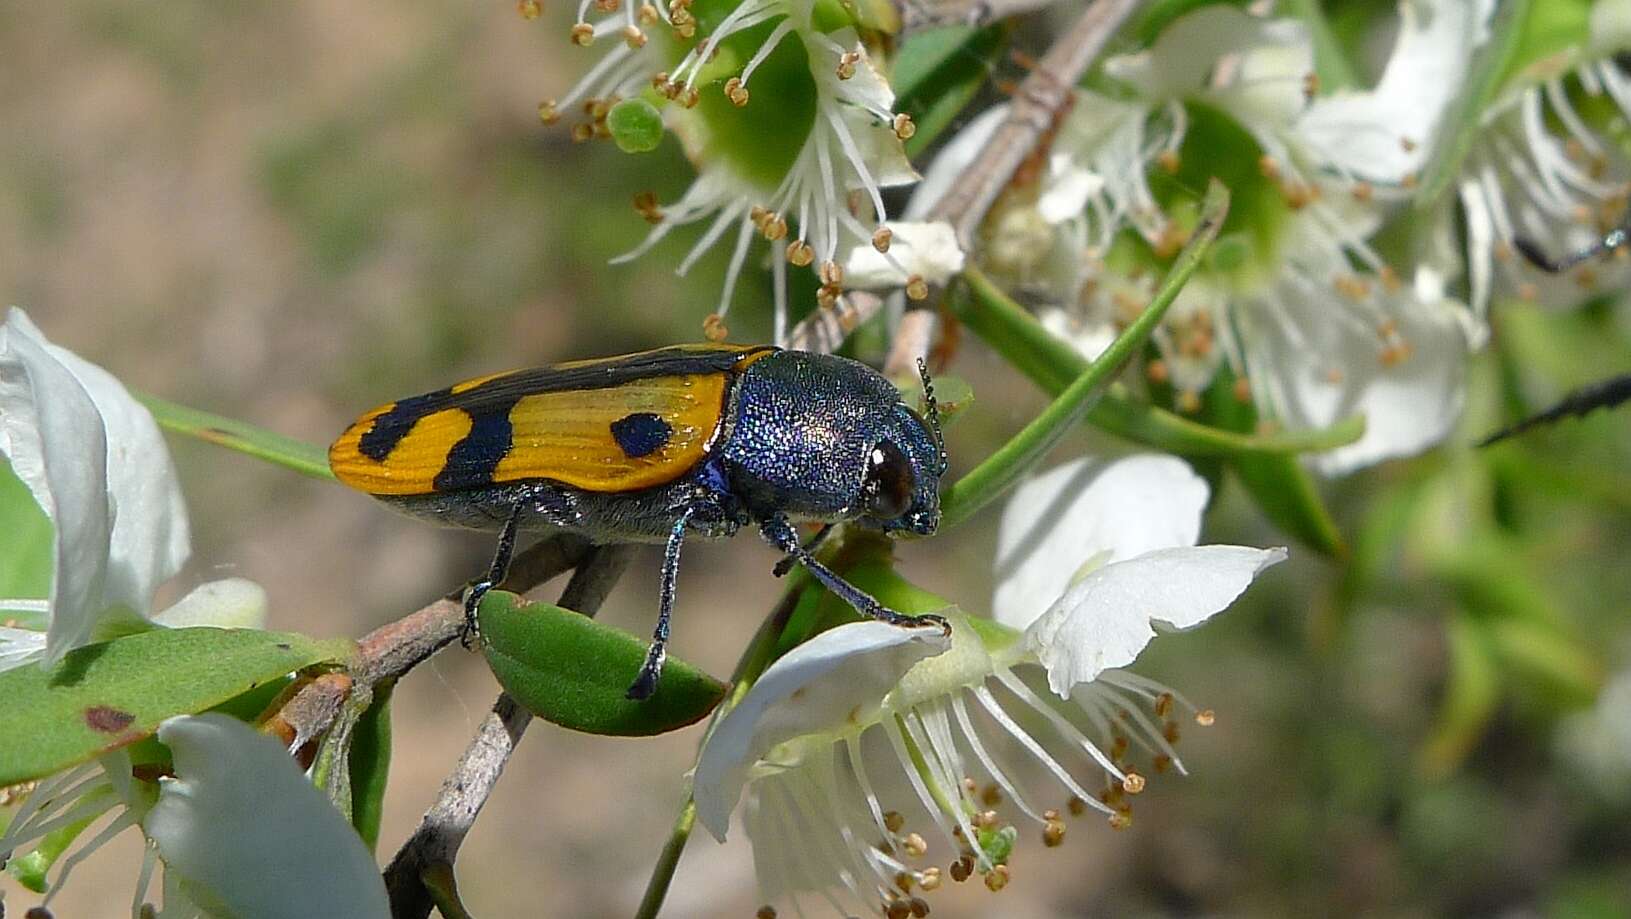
pixel 819 437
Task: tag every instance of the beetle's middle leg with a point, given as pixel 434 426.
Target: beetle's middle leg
pixel 645 683
pixel 810 546
pixel 495 573
pixel 780 533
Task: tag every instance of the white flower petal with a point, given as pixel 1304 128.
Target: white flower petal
pixel 240 822
pixel 928 250
pixel 1062 518
pixel 1067 189
pixel 836 678
pixel 1384 134
pixel 97 465
pixel 1106 619
pixel 1318 371
pixel 1270 58
pixel 230 603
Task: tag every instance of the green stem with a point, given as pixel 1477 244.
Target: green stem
pixel 662 874
pixel 1332 67
pixel 1052 363
pixel 302 457
pixel 758 655
pixel 1003 469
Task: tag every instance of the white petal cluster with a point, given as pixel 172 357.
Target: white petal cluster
pixel 859 739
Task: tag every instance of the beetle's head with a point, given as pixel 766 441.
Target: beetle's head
pixel 900 489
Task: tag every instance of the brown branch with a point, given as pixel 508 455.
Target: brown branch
pixel 825 329
pixel 917 15
pixel 435 844
pixel 1038 103
pixel 397 647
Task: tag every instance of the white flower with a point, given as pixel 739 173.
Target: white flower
pixel 1294 300
pixel 851 141
pixel 1548 170
pixel 824 816
pixel 94 461
pixel 239 829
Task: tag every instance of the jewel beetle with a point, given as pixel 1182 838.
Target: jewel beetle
pixel 688 440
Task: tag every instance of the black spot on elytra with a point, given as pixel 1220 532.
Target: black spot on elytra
pixel 472 461
pixel 641 434
pixel 107 719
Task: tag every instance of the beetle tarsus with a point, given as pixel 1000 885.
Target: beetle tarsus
pixel 496 572
pixel 646 682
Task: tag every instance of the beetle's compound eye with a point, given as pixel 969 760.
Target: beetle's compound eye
pixel 889 482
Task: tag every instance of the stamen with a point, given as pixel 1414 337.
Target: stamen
pixel 529 9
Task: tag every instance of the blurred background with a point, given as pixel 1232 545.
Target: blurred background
pixel 288 213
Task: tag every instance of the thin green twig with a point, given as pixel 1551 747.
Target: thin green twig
pixel 1002 469
pixel 288 452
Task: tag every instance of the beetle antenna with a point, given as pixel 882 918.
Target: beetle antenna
pixel 1610 241
pixel 934 413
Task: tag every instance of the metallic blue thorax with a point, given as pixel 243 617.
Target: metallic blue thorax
pixel 802 429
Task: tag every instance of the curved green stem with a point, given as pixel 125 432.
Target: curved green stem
pixel 1002 469
pixel 302 457
pixel 1052 363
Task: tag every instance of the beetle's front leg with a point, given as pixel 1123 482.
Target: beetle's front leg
pixel 814 543
pixel 780 533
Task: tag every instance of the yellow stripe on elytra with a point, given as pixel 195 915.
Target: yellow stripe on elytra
pixel 566 436
pixel 410 468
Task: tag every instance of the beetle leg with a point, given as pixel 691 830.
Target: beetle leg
pixel 495 573
pixel 781 534
pixel 645 683
pixel 788 561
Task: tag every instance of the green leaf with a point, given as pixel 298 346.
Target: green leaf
pixel 1279 484
pixel 109 695
pixel 1331 65
pixel 1471 692
pixel 937 73
pixel 302 457
pixel 25 565
pixel 371 764
pixel 572 671
pixel 636 126
pixel 1012 460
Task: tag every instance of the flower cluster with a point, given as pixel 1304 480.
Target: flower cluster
pixel 871 752
pixel 783 168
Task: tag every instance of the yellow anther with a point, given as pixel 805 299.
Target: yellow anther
pixel 997 878
pixel 880 241
pixel 582 131
pixel 1053 833
pixel 1169 161
pixel 736 92
pixel 831 274
pixel 765 912
pixel 547 112
pixel 799 253
pixel 1132 783
pixel 714 329
pixel 634 37
pixel 529 9
pixel 904 128
pixel 583 35
pixel 893 821
pixel 846 64
pixel 1205 717
pixel 929 879
pixel 917 288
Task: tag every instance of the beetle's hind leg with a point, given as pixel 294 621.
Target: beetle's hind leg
pixel 645 683
pixel 495 573
pixel 780 533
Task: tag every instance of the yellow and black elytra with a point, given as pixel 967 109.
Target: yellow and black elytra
pixel 654 446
